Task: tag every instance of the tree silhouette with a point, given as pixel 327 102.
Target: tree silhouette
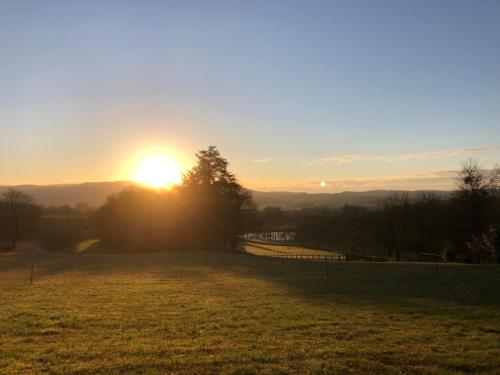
pixel 206 212
pixel 19 215
pixel 217 198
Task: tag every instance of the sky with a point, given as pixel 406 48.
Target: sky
pixel 358 94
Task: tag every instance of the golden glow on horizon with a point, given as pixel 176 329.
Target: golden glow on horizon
pixel 158 171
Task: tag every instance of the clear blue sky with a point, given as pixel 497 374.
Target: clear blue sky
pixel 360 94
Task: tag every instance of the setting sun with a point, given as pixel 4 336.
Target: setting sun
pixel 158 172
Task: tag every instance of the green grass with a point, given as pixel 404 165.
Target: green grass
pixel 241 314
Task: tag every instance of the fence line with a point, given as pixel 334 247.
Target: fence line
pixel 311 257
pixel 270 236
pixel 326 257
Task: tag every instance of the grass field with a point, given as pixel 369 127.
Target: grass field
pixel 267 248
pixel 242 314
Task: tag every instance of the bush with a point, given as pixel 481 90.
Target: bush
pixel 57 234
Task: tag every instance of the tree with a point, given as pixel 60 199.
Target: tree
pixel 207 211
pixel 472 179
pixel 476 188
pixel 273 218
pixel 218 198
pixel 141 220
pixel 483 246
pixel 252 222
pixel 19 215
pixel 496 244
pixel 396 206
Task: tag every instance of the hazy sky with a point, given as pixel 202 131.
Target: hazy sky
pixel 360 94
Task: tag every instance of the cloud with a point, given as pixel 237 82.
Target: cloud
pixel 262 161
pixel 269 160
pixel 398 158
pixel 433 180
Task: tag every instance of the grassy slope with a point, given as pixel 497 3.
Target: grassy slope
pixel 268 248
pixel 237 313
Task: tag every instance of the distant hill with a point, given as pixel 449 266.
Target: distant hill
pixel 92 193
pixel 289 200
pixel 95 193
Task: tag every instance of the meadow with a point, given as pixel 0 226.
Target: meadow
pixel 268 248
pixel 235 313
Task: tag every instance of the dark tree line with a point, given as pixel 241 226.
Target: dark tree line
pixel 55 228
pixel 463 225
pixel 205 212
pixel 19 216
pixel 210 210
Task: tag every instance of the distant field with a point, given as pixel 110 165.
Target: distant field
pixel 242 314
pixel 269 249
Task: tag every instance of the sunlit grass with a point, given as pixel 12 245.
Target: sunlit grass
pixel 269 249
pixel 85 245
pixel 237 313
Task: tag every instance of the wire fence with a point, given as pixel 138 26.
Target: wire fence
pixel 308 257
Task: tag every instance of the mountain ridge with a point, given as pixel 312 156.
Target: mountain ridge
pixel 95 194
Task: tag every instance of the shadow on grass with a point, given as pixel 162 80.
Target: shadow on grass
pixel 379 285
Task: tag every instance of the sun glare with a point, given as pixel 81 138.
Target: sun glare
pixel 158 172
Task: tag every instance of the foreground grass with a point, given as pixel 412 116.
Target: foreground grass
pixel 241 314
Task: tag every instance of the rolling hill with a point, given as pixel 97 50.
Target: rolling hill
pixel 92 193
pixel 95 193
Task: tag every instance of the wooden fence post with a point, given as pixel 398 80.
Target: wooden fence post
pixel 32 266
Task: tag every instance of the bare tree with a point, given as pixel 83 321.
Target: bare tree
pixel 476 188
pixel 472 179
pixel 18 215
